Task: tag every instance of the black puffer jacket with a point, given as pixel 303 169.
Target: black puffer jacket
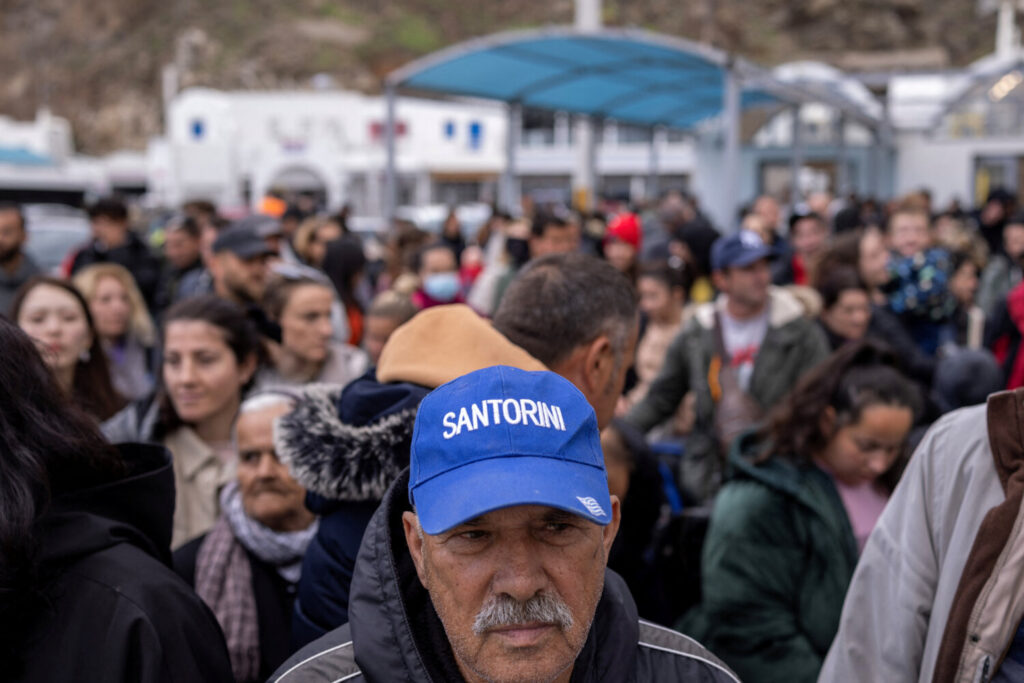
pixel 116 612
pixel 395 635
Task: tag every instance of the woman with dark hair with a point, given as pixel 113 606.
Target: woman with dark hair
pixel 662 290
pixel 786 532
pixel 301 306
pixel 85 590
pixel 845 305
pixel 211 351
pixel 344 263
pixel 57 317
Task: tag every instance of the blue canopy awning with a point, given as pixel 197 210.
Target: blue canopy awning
pixel 628 75
pixel 20 156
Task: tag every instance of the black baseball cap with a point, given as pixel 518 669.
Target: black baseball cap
pixel 242 241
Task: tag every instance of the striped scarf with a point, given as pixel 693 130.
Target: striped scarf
pixel 224 575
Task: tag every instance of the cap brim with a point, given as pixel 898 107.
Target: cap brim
pixel 477 488
pixel 252 251
pixel 765 252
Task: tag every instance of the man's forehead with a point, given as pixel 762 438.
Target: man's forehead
pixel 523 514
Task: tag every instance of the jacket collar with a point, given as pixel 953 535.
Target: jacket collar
pixel 808 484
pixel 783 309
pixel 191 453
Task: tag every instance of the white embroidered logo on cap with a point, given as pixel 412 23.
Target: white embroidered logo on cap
pixel 592 506
pixel 515 411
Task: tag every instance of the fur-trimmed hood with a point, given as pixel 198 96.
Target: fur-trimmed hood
pixel 349 444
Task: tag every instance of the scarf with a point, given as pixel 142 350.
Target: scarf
pixel 224 575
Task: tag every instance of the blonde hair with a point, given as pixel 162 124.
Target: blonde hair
pixel 140 326
pixel 306 233
pixel 304 236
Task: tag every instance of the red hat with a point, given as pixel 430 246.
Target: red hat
pixel 625 227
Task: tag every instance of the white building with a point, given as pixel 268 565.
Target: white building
pixel 234 147
pixel 37 162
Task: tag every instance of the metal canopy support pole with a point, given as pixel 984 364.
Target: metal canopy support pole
pixel 596 132
pixel 842 163
pixel 875 157
pixel 796 159
pixel 731 122
pixel 390 171
pixel 652 164
pixel 584 140
pixel 509 189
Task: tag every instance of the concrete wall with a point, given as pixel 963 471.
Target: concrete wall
pixel 946 167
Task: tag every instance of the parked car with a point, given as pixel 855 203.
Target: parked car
pixel 54 232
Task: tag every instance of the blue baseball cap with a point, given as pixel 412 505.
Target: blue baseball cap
pixel 738 250
pixel 500 437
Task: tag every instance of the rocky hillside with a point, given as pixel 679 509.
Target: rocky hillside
pixel 99 62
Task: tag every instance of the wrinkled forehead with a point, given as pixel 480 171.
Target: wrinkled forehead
pixel 517 516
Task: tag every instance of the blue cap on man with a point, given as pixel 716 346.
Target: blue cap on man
pixel 739 250
pixel 500 437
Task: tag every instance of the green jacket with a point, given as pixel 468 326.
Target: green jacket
pixel 793 345
pixel 777 561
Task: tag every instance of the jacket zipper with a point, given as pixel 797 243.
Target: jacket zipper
pixel 986 665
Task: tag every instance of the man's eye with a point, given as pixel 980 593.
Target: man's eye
pixel 557 527
pixel 473 535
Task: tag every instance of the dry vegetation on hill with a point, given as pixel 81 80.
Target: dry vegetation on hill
pixel 98 62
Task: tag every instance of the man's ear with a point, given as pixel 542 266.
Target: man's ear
pixel 598 363
pixel 612 528
pixel 719 280
pixel 415 542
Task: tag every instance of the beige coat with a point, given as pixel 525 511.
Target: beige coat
pixel 199 474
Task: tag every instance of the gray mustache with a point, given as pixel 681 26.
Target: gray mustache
pixel 504 610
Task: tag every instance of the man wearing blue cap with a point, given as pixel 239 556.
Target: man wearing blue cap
pixel 757 332
pixel 486 560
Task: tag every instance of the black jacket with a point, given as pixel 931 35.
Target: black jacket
pixel 274 598
pixel 395 635
pixel 134 255
pixel 345 448
pixel 115 610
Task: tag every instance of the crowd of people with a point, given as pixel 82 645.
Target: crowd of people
pixel 269 449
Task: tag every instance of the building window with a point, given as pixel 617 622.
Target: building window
pixel 449 130
pixel 476 133
pixel 198 128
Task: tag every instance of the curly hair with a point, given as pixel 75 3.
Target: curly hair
pixel 857 376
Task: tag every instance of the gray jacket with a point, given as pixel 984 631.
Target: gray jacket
pixel 911 613
pixel 390 637
pixel 10 282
